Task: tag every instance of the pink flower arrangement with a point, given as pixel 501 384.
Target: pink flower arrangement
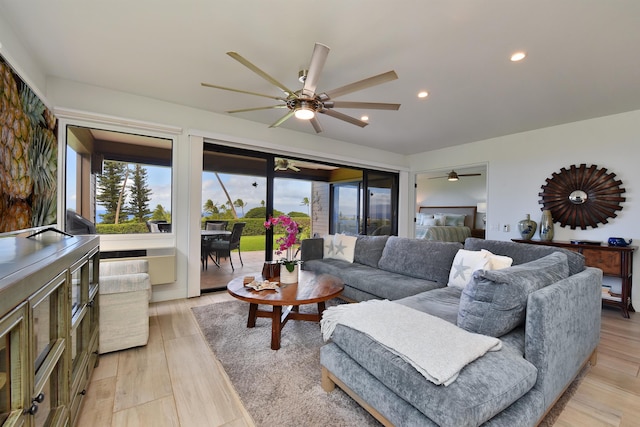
pixel 291 228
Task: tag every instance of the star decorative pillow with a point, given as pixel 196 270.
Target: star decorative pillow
pixel 464 264
pixel 344 247
pixel 328 246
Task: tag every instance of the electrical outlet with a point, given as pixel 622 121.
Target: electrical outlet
pixel 506 228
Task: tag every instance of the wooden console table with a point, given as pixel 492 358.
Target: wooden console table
pixel 614 261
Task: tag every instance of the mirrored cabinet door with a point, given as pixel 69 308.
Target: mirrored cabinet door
pixel 13 367
pixel 49 341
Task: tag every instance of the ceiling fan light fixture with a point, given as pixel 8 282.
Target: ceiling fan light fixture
pixel 453 176
pixel 304 113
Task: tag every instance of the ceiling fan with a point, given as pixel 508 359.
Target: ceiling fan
pixel 284 164
pixel 453 176
pixel 306 102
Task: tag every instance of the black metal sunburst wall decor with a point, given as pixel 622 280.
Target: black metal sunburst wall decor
pixel 582 196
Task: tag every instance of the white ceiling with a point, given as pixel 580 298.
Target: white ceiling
pixel 583 58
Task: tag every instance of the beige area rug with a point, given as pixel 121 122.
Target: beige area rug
pixel 283 387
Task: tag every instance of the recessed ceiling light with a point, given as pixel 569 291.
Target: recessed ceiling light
pixel 364 118
pixel 518 56
pixel 423 94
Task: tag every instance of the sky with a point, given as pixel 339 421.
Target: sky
pixel 288 193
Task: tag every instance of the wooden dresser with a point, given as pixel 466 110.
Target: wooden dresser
pixel 614 261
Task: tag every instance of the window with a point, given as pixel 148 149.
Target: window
pixel 117 183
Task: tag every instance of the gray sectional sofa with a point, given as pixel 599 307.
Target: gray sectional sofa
pixel 548 303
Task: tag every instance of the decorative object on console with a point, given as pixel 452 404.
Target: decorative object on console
pixel 618 241
pixel 546 226
pixel 582 196
pixel 527 227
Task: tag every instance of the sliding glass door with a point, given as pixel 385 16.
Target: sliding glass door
pixel 366 206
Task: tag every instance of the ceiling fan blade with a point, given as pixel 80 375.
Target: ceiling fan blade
pixel 316 124
pixel 282 119
pixel 359 85
pixel 438 177
pixel 318 58
pixel 277 98
pixel 363 105
pixel 261 73
pixel 344 117
pixel 244 110
pixel 469 174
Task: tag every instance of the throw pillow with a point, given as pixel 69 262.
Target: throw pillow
pixel 328 246
pixel 344 247
pixel 495 301
pixel 497 262
pixel 464 264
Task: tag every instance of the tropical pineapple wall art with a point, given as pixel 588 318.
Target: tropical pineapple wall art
pixel 28 156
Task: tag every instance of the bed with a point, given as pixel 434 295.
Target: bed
pixel 445 223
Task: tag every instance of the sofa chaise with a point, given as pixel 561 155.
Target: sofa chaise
pixel 545 309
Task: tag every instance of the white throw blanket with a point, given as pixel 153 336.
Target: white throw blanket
pixel 435 347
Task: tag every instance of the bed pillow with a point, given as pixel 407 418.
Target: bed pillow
pixel 422 217
pixel 429 222
pixel 495 301
pixel 451 219
pixel 440 219
pixel 464 264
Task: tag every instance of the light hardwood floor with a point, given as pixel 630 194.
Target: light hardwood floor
pixel 176 381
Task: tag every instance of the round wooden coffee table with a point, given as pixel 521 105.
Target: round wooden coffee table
pixel 311 288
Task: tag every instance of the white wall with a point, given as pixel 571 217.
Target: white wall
pixel 519 164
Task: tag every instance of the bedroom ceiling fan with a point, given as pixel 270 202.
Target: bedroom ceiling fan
pixel 306 102
pixel 284 164
pixel 453 176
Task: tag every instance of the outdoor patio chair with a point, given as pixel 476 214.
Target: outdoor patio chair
pixel 224 246
pixel 215 225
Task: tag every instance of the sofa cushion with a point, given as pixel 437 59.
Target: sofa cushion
pixel 419 258
pixel 523 252
pixel 384 284
pixel 495 301
pixel 369 249
pixel 484 387
pixel 441 302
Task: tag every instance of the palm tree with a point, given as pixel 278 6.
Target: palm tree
pixel 210 207
pixel 239 203
pixel 307 203
pixel 229 202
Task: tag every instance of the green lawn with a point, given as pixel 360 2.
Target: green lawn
pixel 252 243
